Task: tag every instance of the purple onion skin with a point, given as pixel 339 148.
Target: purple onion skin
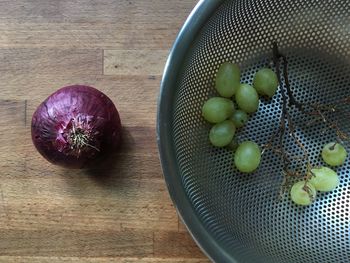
pixel 76 126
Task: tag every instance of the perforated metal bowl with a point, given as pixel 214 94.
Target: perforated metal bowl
pixel 235 217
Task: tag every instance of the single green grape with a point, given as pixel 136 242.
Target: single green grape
pixel 239 118
pixel 247 98
pixel 265 82
pixel 221 134
pixel 217 109
pixel 303 194
pixel 247 157
pixel 227 79
pixel 334 154
pixel 324 179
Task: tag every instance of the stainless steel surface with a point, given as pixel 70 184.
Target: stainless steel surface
pixel 235 217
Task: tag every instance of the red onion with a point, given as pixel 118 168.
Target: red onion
pixel 75 126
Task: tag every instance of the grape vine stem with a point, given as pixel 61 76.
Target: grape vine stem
pixel 319 112
pixel 287 124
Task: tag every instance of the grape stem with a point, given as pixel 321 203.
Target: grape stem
pixel 320 112
pixel 287 124
pixel 333 146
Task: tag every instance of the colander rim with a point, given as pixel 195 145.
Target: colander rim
pixel 195 21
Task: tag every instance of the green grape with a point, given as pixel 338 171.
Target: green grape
pixel 217 109
pixel 265 82
pixel 247 98
pixel 239 118
pixel 221 134
pixel 227 79
pixel 247 157
pixel 334 154
pixel 324 179
pixel 303 194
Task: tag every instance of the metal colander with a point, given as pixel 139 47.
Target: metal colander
pixel 235 217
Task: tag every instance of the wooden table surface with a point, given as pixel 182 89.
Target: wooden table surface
pixel 114 214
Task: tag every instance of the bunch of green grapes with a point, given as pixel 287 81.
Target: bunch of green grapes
pixel 227 116
pixel 322 179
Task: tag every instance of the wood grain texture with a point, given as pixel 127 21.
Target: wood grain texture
pixel 118 212
pixel 123 62
pixel 34 259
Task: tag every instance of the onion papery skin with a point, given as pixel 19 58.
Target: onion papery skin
pixel 76 126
